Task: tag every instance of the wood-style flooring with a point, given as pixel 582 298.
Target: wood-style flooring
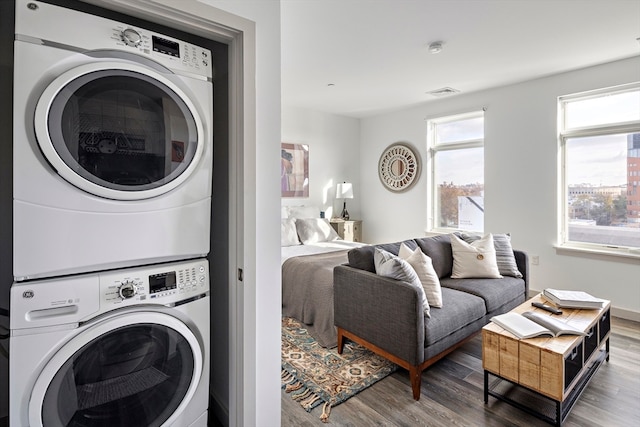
pixel 452 394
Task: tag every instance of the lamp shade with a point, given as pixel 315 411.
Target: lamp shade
pixel 344 191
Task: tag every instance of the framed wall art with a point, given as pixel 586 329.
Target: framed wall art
pixel 294 170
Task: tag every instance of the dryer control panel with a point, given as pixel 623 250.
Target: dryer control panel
pixel 162 284
pixel 50 24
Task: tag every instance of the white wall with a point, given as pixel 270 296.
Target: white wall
pixel 334 156
pixel 520 177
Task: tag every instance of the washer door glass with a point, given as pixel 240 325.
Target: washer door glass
pixel 135 375
pixel 121 133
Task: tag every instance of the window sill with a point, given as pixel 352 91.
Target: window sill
pixel 618 253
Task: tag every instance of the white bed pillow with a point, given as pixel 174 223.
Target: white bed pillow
pixel 389 265
pixel 288 232
pixel 314 230
pixel 304 212
pixel 423 267
pixel 474 260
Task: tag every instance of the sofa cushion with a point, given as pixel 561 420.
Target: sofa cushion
pixel 423 266
pixel 438 248
pixel 460 309
pixel 362 257
pixel 394 267
pixel 504 252
pixel 494 292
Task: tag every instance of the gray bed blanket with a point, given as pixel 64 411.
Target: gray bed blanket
pixel 307 293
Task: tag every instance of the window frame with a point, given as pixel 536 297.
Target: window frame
pixel 627 127
pixel 432 149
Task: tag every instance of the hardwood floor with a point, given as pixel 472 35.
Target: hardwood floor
pixel 452 394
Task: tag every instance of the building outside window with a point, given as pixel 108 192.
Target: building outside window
pixel 456 166
pixel 600 169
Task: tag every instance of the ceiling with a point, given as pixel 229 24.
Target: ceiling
pixel 360 58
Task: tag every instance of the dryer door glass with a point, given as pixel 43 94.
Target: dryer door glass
pixel 122 130
pixel 132 376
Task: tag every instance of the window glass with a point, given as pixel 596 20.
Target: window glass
pixel 460 188
pixel 460 130
pixel 602 170
pixel 457 163
pixel 602 110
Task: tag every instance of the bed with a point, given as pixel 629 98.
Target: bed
pixel 310 250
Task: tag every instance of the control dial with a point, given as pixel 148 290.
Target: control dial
pixel 127 290
pixel 131 37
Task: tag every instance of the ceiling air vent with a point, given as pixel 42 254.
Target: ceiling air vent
pixel 443 92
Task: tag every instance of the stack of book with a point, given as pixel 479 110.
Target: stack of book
pixel 572 299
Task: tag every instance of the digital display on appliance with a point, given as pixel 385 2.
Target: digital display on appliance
pixel 166 46
pixel 162 282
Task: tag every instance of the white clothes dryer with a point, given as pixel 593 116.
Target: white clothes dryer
pixel 112 147
pixel 121 348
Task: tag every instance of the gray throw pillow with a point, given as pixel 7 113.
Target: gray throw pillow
pixel 393 267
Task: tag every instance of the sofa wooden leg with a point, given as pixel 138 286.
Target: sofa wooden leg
pixel 340 340
pixel 416 379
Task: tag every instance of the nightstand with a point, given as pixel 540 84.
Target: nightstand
pixel 349 230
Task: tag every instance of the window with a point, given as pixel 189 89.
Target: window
pixel 456 162
pixel 600 152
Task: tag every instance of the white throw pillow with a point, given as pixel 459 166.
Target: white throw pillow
pixel 474 260
pixel 288 233
pixel 423 266
pixel 504 253
pixel 314 230
pixel 393 267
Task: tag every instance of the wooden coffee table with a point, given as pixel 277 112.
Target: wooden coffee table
pixel 545 376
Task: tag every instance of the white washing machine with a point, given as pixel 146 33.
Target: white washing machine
pixel 112 144
pixel 121 348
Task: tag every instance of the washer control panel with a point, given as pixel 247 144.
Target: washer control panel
pixel 162 284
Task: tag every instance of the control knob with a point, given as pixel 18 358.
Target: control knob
pixel 127 290
pixel 131 37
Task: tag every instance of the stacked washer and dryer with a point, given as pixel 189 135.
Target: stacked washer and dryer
pixel 113 152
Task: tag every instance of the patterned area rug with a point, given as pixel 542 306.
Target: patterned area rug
pixel 314 375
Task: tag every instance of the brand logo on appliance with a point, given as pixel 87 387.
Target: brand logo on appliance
pixel 28 294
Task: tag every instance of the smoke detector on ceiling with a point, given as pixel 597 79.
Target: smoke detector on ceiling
pixel 435 47
pixel 443 91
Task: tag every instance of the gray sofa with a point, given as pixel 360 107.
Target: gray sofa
pixel 386 316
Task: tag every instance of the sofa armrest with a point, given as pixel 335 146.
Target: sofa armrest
pixel 522 261
pixel 382 311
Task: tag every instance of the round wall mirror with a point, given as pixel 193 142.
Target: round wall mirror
pixel 399 167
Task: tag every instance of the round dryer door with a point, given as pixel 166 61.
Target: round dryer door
pixel 137 369
pixel 119 130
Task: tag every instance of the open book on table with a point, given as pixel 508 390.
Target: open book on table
pixel 530 324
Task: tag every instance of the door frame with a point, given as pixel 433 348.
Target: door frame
pixel 239 34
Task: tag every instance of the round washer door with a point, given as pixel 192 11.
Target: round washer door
pixel 119 130
pixel 134 369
